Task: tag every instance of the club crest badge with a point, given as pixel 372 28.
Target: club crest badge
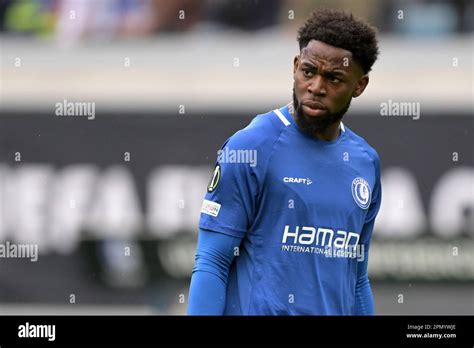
pixel 361 192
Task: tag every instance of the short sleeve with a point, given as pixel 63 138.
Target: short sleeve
pixel 367 229
pixel 230 202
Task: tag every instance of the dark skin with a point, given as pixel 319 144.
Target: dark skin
pixel 326 78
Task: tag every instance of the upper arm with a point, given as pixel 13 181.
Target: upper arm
pixel 230 202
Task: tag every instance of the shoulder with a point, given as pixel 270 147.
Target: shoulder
pixel 367 151
pixel 261 132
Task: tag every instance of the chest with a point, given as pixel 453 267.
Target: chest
pixel 319 184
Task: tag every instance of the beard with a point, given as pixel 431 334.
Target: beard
pixel 316 125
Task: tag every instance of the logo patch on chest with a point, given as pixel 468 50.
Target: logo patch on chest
pixel 361 192
pixel 291 180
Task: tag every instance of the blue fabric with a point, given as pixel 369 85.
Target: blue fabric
pixel 300 209
pixel 364 304
pixel 214 255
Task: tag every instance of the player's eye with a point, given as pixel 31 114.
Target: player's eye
pixel 334 79
pixel 307 73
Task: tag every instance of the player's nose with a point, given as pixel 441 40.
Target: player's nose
pixel 317 86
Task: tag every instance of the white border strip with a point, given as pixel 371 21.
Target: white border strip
pixel 281 117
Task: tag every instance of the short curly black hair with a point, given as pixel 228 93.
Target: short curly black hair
pixel 341 29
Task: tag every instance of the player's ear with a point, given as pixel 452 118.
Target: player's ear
pixel 361 84
pixel 296 62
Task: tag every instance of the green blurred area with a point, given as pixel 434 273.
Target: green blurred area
pixel 29 16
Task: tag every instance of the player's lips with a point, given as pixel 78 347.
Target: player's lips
pixel 313 108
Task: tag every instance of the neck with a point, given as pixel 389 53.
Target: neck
pixel 329 134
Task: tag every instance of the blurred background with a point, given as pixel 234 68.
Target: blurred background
pixel 112 113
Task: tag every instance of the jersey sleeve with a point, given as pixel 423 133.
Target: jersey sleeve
pixel 214 255
pixel 364 300
pixel 367 229
pixel 230 202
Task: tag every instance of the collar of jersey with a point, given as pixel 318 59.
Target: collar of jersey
pixel 286 112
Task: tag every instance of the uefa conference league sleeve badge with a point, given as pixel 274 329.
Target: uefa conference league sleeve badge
pixel 216 177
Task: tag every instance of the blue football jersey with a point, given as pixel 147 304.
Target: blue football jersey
pixel 305 209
